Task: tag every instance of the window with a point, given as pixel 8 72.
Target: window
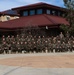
pixel 48 11
pixel 32 12
pixel 53 12
pixel 39 11
pixel 8 17
pixel 59 14
pixel 25 13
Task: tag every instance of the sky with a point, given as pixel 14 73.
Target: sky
pixel 8 4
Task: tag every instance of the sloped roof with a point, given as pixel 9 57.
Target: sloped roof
pixel 40 4
pixel 57 19
pixel 36 20
pixel 9 12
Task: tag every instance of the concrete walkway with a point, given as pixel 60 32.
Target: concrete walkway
pixel 9 70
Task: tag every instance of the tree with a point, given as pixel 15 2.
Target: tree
pixel 69 4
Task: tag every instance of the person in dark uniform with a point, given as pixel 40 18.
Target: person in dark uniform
pixel 58 46
pixel 54 46
pixel 46 46
pixel 63 47
pixel 50 47
pixel 18 47
pixel 22 46
pixel 5 47
pixel 42 47
pixel 68 45
pixel 16 38
pixel 13 47
pixel 1 50
pixel 72 45
pixel 3 39
pixel 8 39
pixel 12 39
pixel 22 39
pixel 25 47
pixel 29 45
pixel 38 46
pixel 34 46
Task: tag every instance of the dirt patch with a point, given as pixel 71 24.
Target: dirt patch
pixel 53 61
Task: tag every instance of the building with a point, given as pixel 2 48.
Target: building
pixel 8 15
pixel 44 16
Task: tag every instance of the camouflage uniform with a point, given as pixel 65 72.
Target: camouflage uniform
pixel 58 46
pixel 53 47
pixel 13 47
pixel 5 47
pixel 12 39
pixel 38 46
pixel 29 46
pixel 18 47
pixel 1 50
pixel 63 47
pixel 46 46
pixel 50 47
pixel 69 48
pixel 22 46
pixel 8 39
pixel 25 47
pixel 73 45
pixel 34 46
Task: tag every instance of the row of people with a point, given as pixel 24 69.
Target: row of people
pixel 36 44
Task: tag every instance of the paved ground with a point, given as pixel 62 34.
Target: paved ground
pixel 37 64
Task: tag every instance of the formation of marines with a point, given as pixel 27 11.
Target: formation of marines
pixel 38 44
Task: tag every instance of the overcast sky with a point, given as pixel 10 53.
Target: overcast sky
pixel 8 4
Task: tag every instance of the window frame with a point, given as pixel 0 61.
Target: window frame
pixel 25 12
pixel 39 11
pixel 32 12
pixel 47 11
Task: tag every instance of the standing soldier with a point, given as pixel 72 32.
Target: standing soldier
pixel 3 39
pixel 39 38
pixel 1 50
pixel 25 47
pixel 13 47
pixel 22 39
pixel 42 47
pixel 61 36
pixel 63 47
pixel 73 45
pixel 67 35
pixel 18 47
pixel 8 39
pixel 38 46
pixel 46 46
pixel 29 45
pixel 54 47
pixel 58 46
pixel 22 46
pixel 17 38
pixel 50 47
pixel 5 47
pixel 34 47
pixel 69 47
pixel 12 39
pixel 35 38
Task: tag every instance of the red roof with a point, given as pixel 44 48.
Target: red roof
pixel 36 20
pixel 40 4
pixel 57 19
